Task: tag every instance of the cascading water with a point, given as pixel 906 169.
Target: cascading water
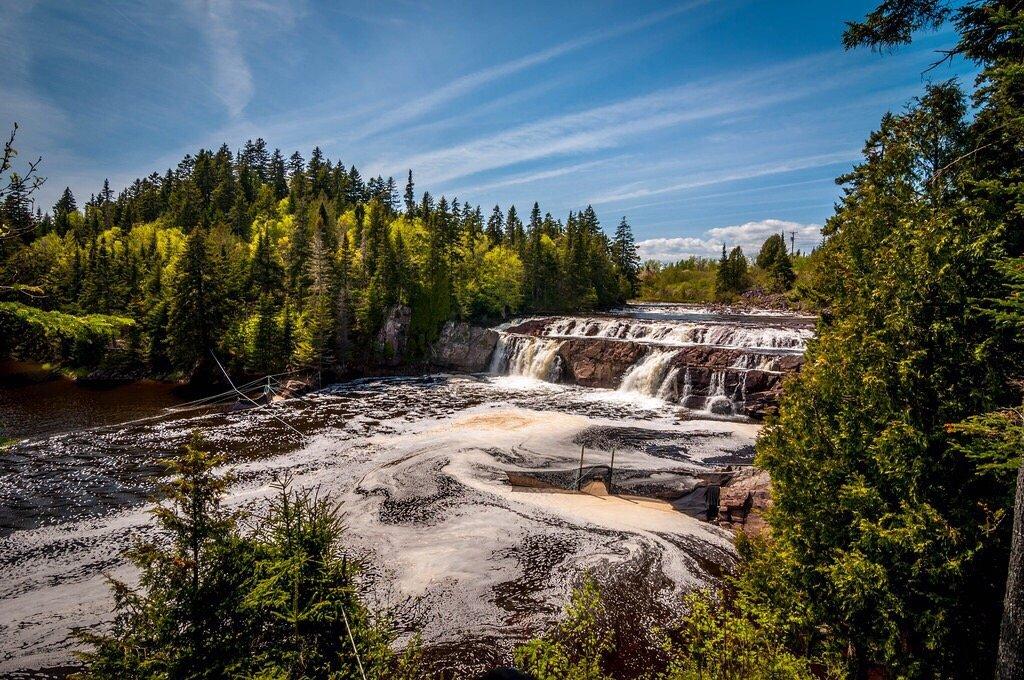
pixel 649 376
pixel 681 333
pixel 528 357
pixel 717 402
pixel 757 362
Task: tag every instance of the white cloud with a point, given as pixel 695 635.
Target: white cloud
pixel 219 21
pixel 748 236
pixel 611 125
pixel 465 84
pixel 232 79
pixel 699 181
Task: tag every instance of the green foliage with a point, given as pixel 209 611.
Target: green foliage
pixel 689 280
pixel 31 332
pixel 731 277
pixel 575 648
pixel 893 451
pixel 774 261
pixel 208 258
pixel 715 640
pixel 278 601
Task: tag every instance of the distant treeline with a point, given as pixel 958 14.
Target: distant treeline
pixel 698 279
pixel 276 263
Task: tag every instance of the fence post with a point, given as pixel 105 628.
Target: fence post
pixel 579 475
pixel 611 472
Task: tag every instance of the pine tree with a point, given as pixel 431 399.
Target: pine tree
pixel 496 226
pixel 16 210
pixel 277 175
pixel 195 315
pixel 62 210
pixel 410 198
pixel 515 237
pixel 626 256
pixel 774 261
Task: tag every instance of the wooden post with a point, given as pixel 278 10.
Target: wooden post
pixel 579 475
pixel 611 472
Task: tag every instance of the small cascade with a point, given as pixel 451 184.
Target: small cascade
pixel 717 402
pixel 528 357
pixel 687 388
pixel 669 390
pixel 499 360
pixel 649 375
pixel 757 362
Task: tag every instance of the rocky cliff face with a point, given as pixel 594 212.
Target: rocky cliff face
pixel 463 347
pixel 393 339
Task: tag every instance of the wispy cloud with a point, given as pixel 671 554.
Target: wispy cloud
pixel 749 236
pixel 609 125
pixel 232 78
pixel 531 177
pixel 699 181
pixel 465 84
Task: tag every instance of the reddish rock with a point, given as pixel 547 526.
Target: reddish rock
pixel 598 362
pixel 743 500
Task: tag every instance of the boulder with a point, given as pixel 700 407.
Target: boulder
pixel 463 347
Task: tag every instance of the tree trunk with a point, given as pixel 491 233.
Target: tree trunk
pixel 1010 662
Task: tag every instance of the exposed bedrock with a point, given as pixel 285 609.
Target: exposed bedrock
pixel 463 347
pixel 698 377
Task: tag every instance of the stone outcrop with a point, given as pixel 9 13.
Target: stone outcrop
pixel 743 500
pixel 393 338
pixel 463 347
pixel 596 362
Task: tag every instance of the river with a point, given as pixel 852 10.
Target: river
pixel 421 467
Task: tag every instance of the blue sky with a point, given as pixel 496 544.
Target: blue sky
pixel 701 121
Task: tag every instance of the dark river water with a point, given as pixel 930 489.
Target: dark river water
pixel 35 402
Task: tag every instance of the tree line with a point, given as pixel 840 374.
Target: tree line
pixel 701 279
pixel 277 263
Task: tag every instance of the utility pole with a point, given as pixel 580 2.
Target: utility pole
pixel 792 243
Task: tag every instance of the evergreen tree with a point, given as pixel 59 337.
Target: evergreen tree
pixel 496 226
pixel 195 316
pixel 277 175
pixel 774 261
pixel 16 209
pixel 625 256
pixel 62 210
pixel 410 197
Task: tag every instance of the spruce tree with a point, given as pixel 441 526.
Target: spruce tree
pixel 496 226
pixel 410 198
pixel 626 256
pixel 196 305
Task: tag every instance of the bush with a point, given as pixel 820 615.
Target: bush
pixel 278 601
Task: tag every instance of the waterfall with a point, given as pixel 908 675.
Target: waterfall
pixel 527 356
pixel 757 362
pixel 669 390
pixel 680 333
pixel 687 387
pixel 717 401
pixel 648 376
pixel 499 360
